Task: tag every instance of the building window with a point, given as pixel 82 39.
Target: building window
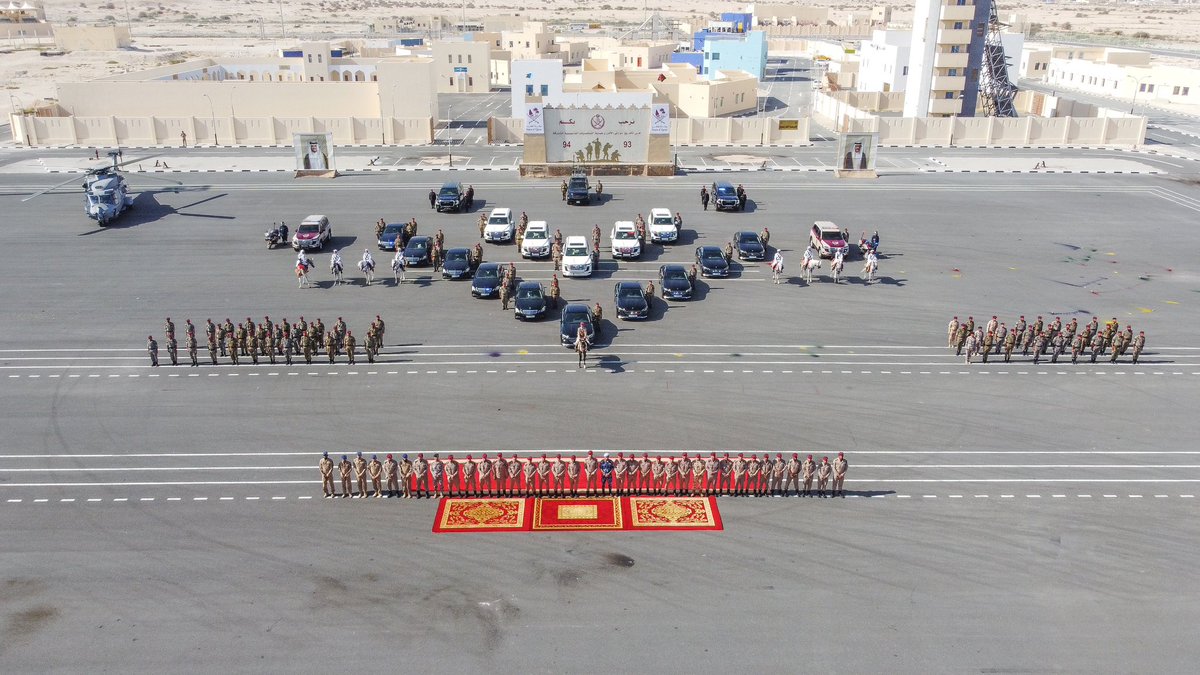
pixel 460 58
pixel 1175 91
pixel 545 90
pixel 716 56
pixel 955 49
pixel 319 57
pixel 1185 91
pixel 905 71
pixel 451 80
pixel 952 72
pixel 1142 88
pixel 310 58
pixel 468 58
pixel 470 81
pixel 1150 89
pixel 949 94
pixel 450 59
pixel 529 90
pixel 957 25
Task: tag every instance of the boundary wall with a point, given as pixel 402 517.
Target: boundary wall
pixel 693 131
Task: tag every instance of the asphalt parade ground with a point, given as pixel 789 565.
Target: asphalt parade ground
pixel 1000 517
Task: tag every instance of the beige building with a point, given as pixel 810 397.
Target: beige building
pixel 23 19
pixel 1035 62
pixel 641 54
pixel 311 88
pixel 1122 73
pixel 531 43
pixel 462 66
pixel 92 38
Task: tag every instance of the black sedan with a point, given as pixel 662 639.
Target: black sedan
pixel 675 281
pixel 487 281
pixel 572 316
pixel 630 299
pixel 749 246
pixel 416 251
pixel 457 264
pixel 712 262
pixel 531 302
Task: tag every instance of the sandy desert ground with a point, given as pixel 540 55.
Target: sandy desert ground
pixel 171 31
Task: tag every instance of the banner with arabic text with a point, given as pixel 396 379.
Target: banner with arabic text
pixel 596 135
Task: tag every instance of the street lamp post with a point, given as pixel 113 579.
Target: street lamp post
pixel 213 117
pixel 232 114
pixel 449 140
pixel 1135 91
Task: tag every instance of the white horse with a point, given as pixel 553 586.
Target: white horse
pixel 869 269
pixel 398 270
pixel 836 268
pixel 368 268
pixel 302 275
pixel 810 265
pixel 777 268
pixel 335 268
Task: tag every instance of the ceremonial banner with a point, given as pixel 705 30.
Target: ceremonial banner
pixel 534 123
pixel 482 515
pixel 314 152
pixel 588 135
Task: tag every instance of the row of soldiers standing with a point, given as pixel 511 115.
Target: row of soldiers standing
pixel 268 339
pixel 562 477
pixel 1053 338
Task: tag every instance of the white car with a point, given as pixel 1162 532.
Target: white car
pixel 625 241
pixel 577 259
pixel 536 243
pixel 500 226
pixel 662 226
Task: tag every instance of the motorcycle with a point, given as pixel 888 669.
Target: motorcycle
pixel 273 237
pixel 866 246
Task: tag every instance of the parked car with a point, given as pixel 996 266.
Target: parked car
pixel 573 315
pixel 536 243
pixel 725 197
pixel 577 259
pixel 578 190
pixel 451 197
pixel 312 234
pixel 827 239
pixel 392 237
pixel 675 282
pixel 500 226
pixel 486 282
pixel 630 299
pixel 625 241
pixel 712 262
pixel 416 251
pixel 749 246
pixel 662 226
pixel 531 301
pixel 457 264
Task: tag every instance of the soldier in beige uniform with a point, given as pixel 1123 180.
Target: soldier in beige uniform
pixel 725 478
pixel 823 473
pixel 752 476
pixel 437 476
pixel 346 469
pixel 558 472
pixel 685 476
pixel 793 474
pixel 657 475
pixel 573 476
pixel 470 476
pixel 670 485
pixel 375 469
pixel 529 471
pixel 646 475
pixel 515 466
pixel 839 475
pixel 543 475
pixel 739 474
pixel 485 476
pixel 619 473
pixel 452 469
pixel 406 469
pixel 698 470
pixel 499 475
pixel 326 467
pixel 360 474
pixel 391 473
pixel 778 470
pixel 809 468
pixel 590 470
pixel 712 469
pixel 420 469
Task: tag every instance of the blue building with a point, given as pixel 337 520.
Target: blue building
pixel 735 51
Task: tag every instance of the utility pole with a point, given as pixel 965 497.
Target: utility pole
pixel 282 28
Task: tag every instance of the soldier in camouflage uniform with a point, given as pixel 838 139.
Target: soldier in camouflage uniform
pixel 191 348
pixel 173 349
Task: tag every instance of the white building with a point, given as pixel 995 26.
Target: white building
pixel 885 60
pixel 1122 73
pixel 943 43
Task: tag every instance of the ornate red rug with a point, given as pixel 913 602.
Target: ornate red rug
pixel 542 514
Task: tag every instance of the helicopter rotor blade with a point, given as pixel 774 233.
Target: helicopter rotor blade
pixel 165 180
pixel 136 159
pixel 39 193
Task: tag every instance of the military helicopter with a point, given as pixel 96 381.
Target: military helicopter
pixel 106 191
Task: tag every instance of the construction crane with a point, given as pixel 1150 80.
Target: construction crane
pixel 999 93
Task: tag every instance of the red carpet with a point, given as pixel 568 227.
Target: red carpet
pixel 539 514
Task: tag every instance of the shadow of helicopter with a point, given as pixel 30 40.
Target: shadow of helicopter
pixel 146 208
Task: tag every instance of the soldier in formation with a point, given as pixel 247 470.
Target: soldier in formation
pixel 1043 338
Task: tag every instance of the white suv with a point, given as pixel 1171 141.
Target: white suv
pixel 536 243
pixel 500 226
pixel 624 240
pixel 662 226
pixel 577 259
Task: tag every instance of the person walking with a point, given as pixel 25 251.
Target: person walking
pixel 152 350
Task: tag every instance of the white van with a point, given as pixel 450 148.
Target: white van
pixel 536 243
pixel 577 259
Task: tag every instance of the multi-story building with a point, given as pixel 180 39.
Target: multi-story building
pixel 462 66
pixel 1122 73
pixel 945 57
pixel 885 59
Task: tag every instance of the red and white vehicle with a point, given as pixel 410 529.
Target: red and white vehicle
pixel 827 239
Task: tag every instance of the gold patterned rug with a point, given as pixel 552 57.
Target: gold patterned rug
pixel 539 514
